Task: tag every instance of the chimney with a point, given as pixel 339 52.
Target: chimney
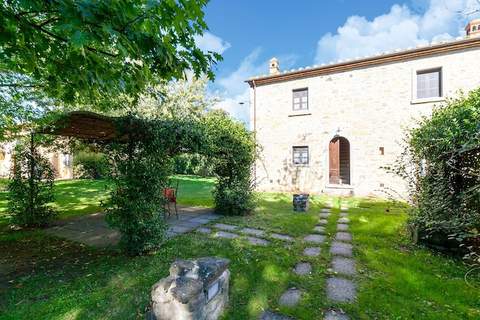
pixel 274 66
pixel 473 28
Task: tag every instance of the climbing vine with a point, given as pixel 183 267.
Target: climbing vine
pixel 142 159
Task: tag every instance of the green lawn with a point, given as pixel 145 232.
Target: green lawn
pixel 56 279
pixel 78 197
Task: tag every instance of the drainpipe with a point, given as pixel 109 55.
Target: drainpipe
pixel 255 130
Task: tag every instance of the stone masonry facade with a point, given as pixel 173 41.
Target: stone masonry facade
pixel 370 106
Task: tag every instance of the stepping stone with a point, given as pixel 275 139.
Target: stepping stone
pixel 342 227
pixel 290 298
pixel 344 266
pixel 268 315
pixel 324 215
pixel 343 236
pixel 341 290
pixel 319 229
pixel 323 221
pixel 303 268
pixel 314 238
pixel 258 241
pixel 204 230
pixel 312 251
pixel 200 220
pixel 226 227
pixel 344 220
pixel 253 232
pixel 282 237
pixel 343 214
pixel 325 210
pixel 341 249
pixel 226 235
pixel 335 315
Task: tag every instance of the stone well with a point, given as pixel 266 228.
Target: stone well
pixel 194 290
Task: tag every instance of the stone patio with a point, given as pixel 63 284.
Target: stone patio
pixel 94 231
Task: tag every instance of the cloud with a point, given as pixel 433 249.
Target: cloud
pixel 234 92
pixel 399 28
pixel 210 42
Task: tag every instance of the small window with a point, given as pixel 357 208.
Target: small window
pixel 474 28
pixel 429 84
pixel 67 160
pixel 382 151
pixel 300 155
pixel 300 99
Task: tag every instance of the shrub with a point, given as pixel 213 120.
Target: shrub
pixel 31 188
pixel 91 165
pixel 193 164
pixel 445 176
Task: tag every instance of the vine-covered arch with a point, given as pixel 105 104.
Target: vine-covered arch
pixel 141 152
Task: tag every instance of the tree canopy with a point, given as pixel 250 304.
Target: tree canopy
pixel 86 51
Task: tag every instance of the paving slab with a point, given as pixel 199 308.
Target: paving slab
pixel 324 215
pixel 343 236
pixel 302 268
pixel 341 290
pixel 204 230
pixel 258 241
pixel 253 232
pixel 283 237
pixel 344 220
pixel 344 266
pixel 335 315
pixel 323 221
pixel 290 298
pixel 226 235
pixel 343 214
pixel 315 238
pixel 342 227
pixel 312 251
pixel 319 229
pixel 325 210
pixel 225 227
pixel 269 315
pixel 341 249
pixel 200 220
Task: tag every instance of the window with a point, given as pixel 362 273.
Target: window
pixel 300 99
pixel 67 160
pixel 382 151
pixel 300 155
pixel 429 84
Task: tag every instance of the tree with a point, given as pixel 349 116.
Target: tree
pixel 86 51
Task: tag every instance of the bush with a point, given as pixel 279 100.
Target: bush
pixel 445 176
pixel 91 165
pixel 30 189
pixel 193 164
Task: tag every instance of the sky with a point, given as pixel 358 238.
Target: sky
pixel 308 32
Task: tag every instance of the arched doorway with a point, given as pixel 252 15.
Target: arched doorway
pixel 339 161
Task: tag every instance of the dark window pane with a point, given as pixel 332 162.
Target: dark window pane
pixel 300 99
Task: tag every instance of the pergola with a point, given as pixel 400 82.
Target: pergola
pixel 85 125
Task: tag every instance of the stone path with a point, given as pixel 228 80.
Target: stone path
pixel 94 231
pixel 340 287
pixel 254 236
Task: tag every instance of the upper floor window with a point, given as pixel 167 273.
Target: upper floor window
pixel 300 99
pixel 429 83
pixel 300 156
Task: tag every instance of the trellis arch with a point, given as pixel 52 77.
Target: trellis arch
pixel 141 152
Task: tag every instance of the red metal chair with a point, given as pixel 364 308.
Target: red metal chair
pixel 170 195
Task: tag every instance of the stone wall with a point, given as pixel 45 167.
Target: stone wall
pixel 371 107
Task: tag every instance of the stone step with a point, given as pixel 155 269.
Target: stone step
pixel 290 298
pixel 314 238
pixel 341 249
pixel 341 290
pixel 302 268
pixel 345 266
pixel 343 236
pixel 312 251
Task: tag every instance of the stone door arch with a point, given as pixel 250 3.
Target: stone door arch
pixel 339 161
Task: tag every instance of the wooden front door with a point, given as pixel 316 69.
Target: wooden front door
pixel 334 156
pixel 339 161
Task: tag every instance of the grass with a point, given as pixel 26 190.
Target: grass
pixel 79 197
pixel 56 279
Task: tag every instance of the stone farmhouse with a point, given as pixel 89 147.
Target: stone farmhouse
pixel 61 162
pixel 333 128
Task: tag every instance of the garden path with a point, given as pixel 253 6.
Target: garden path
pixel 94 231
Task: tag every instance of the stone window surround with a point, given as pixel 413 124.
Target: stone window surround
pixel 427 67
